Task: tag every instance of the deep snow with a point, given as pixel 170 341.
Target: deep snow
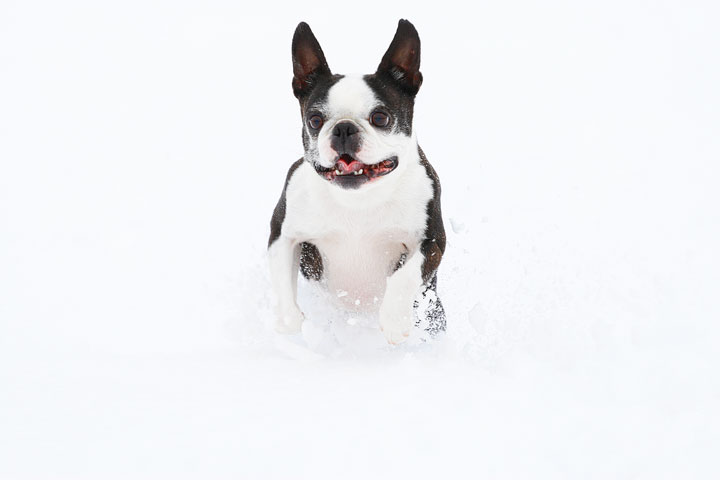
pixel 143 146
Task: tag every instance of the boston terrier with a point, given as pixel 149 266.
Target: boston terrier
pixel 360 212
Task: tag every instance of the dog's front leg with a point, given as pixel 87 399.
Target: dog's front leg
pixel 284 258
pixel 396 310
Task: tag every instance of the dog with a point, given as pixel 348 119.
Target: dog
pixel 360 211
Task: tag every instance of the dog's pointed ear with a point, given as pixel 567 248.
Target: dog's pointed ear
pixel 402 59
pixel 308 60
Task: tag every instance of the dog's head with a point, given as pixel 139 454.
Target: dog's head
pixel 356 130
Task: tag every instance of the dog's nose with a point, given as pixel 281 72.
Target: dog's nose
pixel 345 138
pixel 345 129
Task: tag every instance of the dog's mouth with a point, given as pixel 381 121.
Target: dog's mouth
pixel 351 173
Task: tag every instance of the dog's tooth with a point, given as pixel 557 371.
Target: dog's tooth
pixel 337 171
pixel 360 171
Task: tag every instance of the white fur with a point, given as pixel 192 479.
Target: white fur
pixel 396 312
pixel 362 233
pixel 284 263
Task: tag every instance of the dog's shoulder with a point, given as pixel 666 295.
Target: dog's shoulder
pixel 435 239
pixel 279 213
pixel 431 173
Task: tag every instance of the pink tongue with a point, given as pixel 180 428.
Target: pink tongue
pixel 351 167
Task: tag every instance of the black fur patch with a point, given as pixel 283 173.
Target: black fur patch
pixel 394 101
pixel 311 264
pixel 433 246
pixel 279 213
pixel 315 102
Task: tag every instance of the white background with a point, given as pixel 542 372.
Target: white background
pixel 143 146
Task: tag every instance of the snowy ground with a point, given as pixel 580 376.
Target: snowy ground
pixel 142 149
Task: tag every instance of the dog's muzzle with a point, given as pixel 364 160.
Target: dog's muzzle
pixel 351 173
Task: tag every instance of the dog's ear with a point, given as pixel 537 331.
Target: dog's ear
pixel 402 59
pixel 308 60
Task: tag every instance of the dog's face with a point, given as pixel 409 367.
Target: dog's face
pixel 357 129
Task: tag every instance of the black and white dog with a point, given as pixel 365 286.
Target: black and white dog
pixel 360 212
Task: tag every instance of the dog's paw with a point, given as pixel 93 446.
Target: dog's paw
pixel 289 321
pixel 396 323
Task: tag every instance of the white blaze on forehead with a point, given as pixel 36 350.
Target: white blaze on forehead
pixel 351 97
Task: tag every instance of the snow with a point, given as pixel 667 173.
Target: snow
pixel 143 146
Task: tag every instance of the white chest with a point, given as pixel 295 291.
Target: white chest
pixel 361 235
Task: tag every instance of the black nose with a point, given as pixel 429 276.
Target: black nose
pixel 345 138
pixel 345 129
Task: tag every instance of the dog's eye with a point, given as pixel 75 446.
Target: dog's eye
pixel 315 122
pixel 379 119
